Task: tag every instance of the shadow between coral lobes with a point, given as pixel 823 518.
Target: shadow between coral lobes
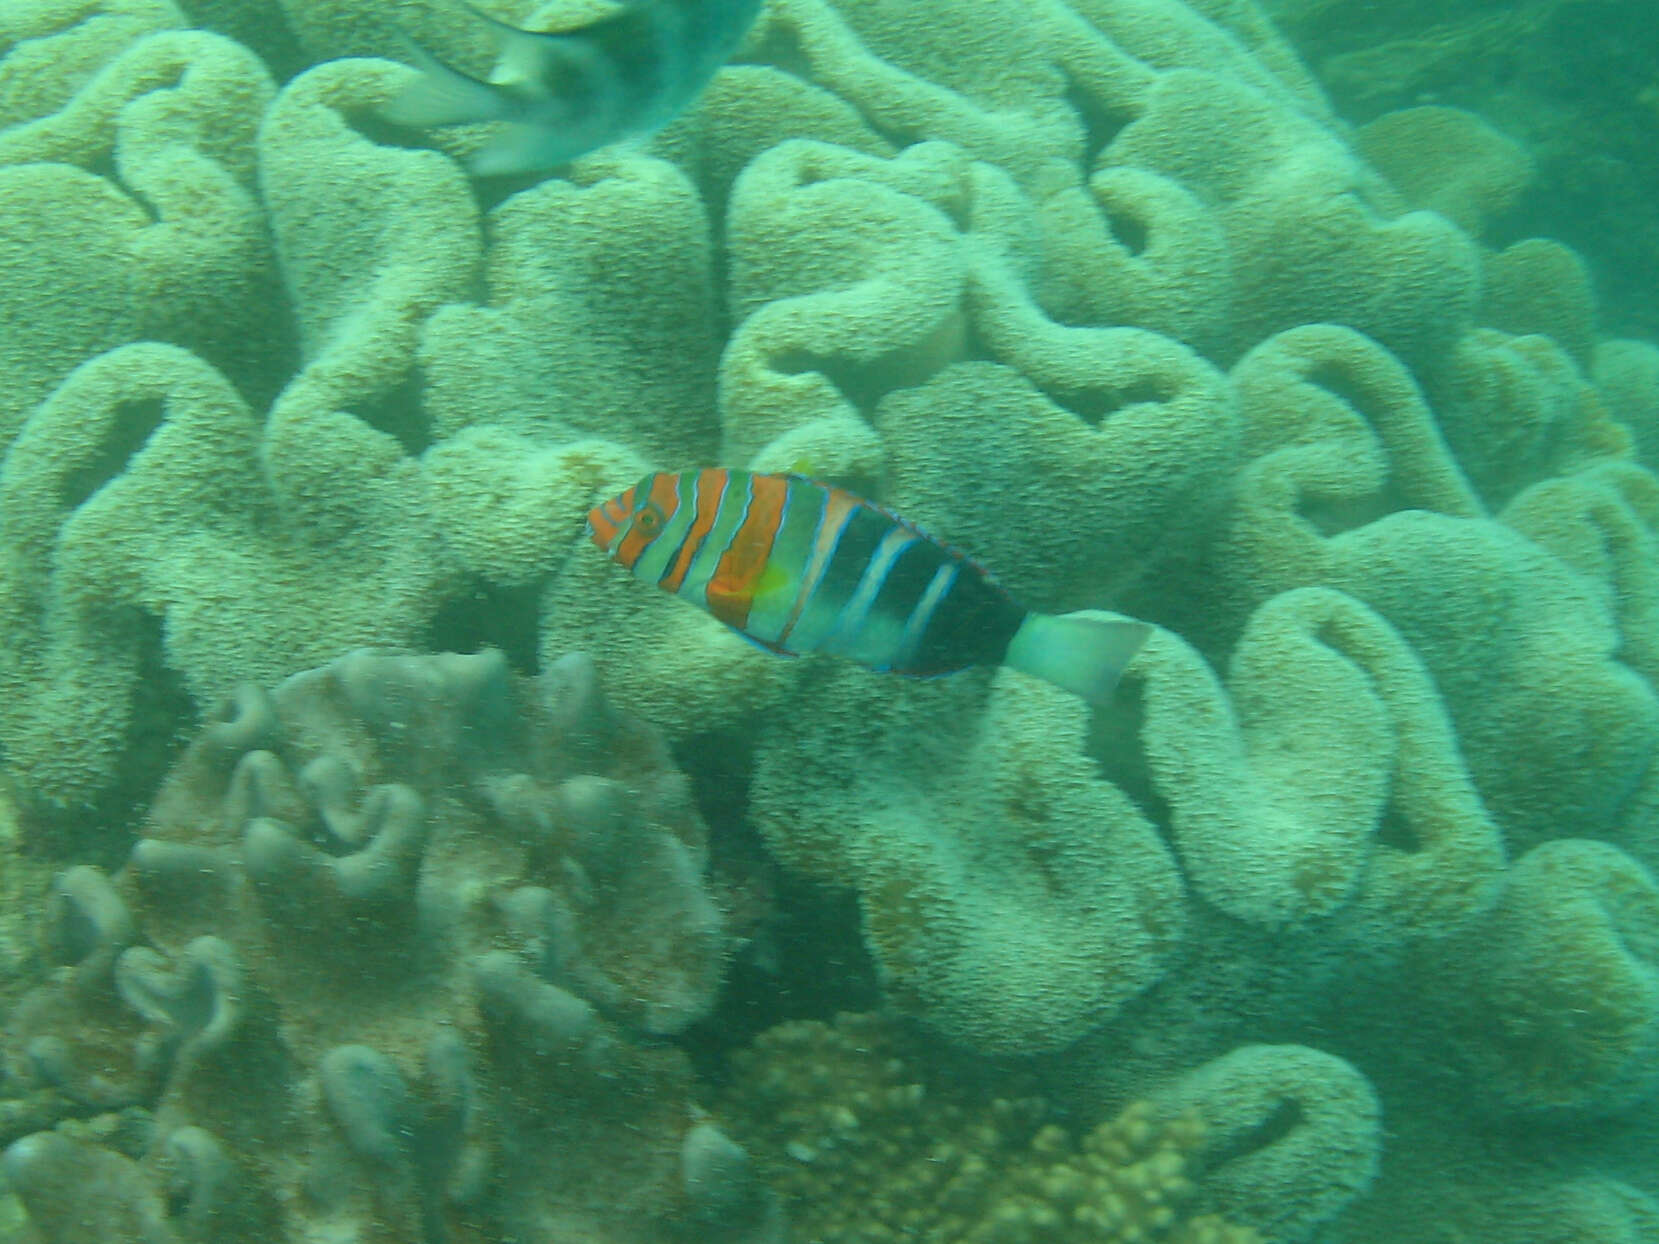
pixel 804 958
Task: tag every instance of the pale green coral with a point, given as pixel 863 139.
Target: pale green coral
pixel 1297 1136
pixel 1449 161
pixel 1099 291
pixel 1516 409
pixel 982 430
pixel 1540 286
pixel 131 205
pixel 590 329
pixel 1555 999
pixel 1355 491
pixel 187 532
pixel 68 237
pixel 361 282
pixel 1626 373
pixel 53 48
pixel 1281 789
pixel 1310 231
pixel 1008 894
pixel 1604 523
pixel 959 239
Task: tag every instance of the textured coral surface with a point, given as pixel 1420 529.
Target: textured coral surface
pixel 393 957
pixel 369 918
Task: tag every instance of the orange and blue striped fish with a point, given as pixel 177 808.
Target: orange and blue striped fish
pixel 798 566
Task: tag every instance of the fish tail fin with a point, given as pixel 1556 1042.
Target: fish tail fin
pixel 1084 652
pixel 443 95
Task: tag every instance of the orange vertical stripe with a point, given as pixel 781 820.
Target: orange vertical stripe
pixel 650 520
pixel 732 589
pixel 711 487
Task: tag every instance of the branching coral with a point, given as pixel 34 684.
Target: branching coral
pixel 872 1144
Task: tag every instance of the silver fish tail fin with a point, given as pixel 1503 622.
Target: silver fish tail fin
pixel 1084 652
pixel 443 95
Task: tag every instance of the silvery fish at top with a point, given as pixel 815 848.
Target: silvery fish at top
pixel 564 95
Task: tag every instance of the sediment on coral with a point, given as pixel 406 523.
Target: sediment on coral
pixel 1552 1001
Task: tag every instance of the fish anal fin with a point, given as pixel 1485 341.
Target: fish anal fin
pixel 762 644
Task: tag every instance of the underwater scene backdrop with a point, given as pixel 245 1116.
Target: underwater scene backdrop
pixel 382 865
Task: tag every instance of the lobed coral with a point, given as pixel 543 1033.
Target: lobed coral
pixel 1007 892
pixel 1101 291
pixel 390 962
pixel 1573 84
pixel 1555 1001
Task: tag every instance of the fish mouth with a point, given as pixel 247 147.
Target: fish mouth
pixel 598 528
pixel 607 521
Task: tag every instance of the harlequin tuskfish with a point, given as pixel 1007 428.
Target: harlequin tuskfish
pixel 564 95
pixel 798 566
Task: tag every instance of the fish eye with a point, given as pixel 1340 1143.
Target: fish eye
pixel 649 520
